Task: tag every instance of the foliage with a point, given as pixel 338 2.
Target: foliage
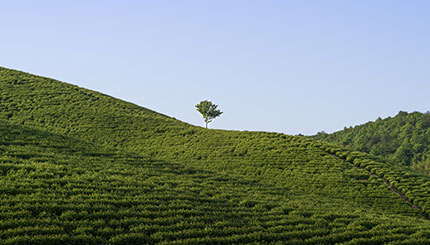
pixel 403 139
pixel 422 166
pixel 208 110
pixel 79 167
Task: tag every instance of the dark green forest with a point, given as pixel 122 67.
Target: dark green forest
pixel 403 139
pixel 81 167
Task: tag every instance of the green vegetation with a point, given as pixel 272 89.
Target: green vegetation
pixel 208 110
pixel 78 166
pixel 403 139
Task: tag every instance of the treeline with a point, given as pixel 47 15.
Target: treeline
pixel 403 139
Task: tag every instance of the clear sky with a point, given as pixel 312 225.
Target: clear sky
pixel 286 66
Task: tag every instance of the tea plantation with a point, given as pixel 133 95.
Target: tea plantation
pixel 80 167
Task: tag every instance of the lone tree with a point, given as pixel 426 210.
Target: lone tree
pixel 208 110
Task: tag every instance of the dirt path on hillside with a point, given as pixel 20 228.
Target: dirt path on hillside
pixel 402 195
pixel 394 189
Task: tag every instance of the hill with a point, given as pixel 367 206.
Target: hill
pixel 403 139
pixel 81 167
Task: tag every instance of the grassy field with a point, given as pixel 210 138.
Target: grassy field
pixel 78 166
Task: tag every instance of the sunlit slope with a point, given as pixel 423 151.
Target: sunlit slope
pixel 269 180
pixel 57 189
pixel 66 108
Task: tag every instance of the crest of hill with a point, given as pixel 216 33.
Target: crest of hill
pixel 245 186
pixel 403 139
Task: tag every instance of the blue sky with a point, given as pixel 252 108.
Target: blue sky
pixel 285 66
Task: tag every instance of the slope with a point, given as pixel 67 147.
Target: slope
pixel 403 139
pixel 265 187
pixel 57 189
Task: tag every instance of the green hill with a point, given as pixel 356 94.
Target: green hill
pixel 403 139
pixel 78 166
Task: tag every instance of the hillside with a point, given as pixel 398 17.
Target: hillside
pixel 81 167
pixel 403 139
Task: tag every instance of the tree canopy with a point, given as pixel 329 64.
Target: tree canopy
pixel 208 110
pixel 404 139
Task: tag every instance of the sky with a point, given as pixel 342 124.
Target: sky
pixel 295 67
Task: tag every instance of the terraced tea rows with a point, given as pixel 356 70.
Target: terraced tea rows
pixel 82 167
pixel 413 185
pixel 56 189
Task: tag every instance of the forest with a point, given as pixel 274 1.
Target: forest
pixel 403 139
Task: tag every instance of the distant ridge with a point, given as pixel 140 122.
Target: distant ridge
pixel 403 139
